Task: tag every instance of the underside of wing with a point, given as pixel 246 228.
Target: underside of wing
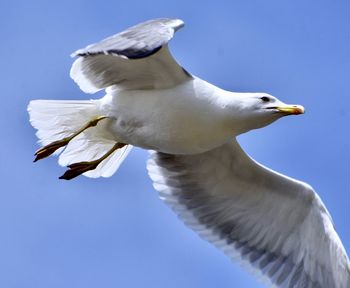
pixel 137 58
pixel 275 226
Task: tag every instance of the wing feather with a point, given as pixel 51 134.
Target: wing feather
pixel 274 225
pixel 137 58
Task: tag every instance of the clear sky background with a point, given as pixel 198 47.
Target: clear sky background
pixel 115 232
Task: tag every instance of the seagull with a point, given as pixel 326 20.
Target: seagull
pixel 275 226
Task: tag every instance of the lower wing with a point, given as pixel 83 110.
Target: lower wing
pixel 274 225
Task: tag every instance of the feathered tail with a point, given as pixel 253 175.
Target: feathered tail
pixel 57 119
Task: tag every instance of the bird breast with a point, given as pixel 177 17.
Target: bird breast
pixel 181 120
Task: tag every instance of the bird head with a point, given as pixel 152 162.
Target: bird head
pixel 268 105
pixel 261 109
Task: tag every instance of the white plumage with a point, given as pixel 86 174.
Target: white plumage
pixel 274 225
pixel 56 119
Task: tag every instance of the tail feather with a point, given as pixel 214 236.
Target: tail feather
pixel 55 120
pixel 87 147
pixel 110 165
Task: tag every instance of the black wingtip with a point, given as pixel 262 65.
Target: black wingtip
pixel 130 53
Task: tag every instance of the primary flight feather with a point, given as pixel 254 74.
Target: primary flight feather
pixel 274 225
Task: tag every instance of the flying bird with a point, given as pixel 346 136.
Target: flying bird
pixel 274 225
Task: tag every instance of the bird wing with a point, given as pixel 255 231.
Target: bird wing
pixel 137 58
pixel 274 225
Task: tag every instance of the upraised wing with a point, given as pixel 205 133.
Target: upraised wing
pixel 276 226
pixel 137 58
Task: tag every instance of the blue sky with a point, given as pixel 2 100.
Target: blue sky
pixel 115 232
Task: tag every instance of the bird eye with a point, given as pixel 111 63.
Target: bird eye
pixel 265 99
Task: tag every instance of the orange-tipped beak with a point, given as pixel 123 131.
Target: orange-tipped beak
pixel 291 109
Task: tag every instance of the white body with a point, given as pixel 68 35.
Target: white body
pixel 184 119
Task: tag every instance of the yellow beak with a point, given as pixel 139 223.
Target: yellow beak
pixel 291 109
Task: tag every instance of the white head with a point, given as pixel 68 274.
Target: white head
pixel 256 110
